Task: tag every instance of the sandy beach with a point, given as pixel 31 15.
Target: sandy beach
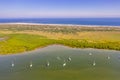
pixel 58 25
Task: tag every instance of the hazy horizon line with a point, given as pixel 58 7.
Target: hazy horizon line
pixel 52 17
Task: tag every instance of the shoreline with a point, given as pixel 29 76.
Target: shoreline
pixel 75 37
pixel 43 47
pixel 45 24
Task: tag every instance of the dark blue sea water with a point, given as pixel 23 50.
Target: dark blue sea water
pixel 74 21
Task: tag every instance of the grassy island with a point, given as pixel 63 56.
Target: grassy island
pixel 16 38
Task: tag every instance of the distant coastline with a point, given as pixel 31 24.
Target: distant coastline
pixel 103 22
pixel 23 37
pixel 58 24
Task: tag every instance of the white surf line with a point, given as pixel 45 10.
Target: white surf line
pixel 107 26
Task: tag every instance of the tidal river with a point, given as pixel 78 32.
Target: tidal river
pixel 61 63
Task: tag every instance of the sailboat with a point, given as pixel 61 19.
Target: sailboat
pixel 13 64
pixel 108 57
pixel 69 59
pixel 31 65
pixel 48 64
pixel 90 54
pixel 64 64
pixel 94 63
pixel 58 58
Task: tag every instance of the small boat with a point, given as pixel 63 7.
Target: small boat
pixel 108 57
pixel 64 64
pixel 31 65
pixel 94 63
pixel 13 64
pixel 48 64
pixel 69 59
pixel 90 54
pixel 58 58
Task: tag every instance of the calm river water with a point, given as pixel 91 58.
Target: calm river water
pixel 61 63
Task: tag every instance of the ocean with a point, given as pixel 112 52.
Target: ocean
pixel 71 21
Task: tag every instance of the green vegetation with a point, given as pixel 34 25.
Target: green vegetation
pixel 21 38
pixel 23 42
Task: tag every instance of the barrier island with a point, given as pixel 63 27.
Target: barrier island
pixel 18 38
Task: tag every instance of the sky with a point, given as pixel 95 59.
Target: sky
pixel 59 8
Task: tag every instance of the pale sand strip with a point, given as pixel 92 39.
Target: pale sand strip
pixel 57 25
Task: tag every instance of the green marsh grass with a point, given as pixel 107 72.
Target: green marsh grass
pixel 22 38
